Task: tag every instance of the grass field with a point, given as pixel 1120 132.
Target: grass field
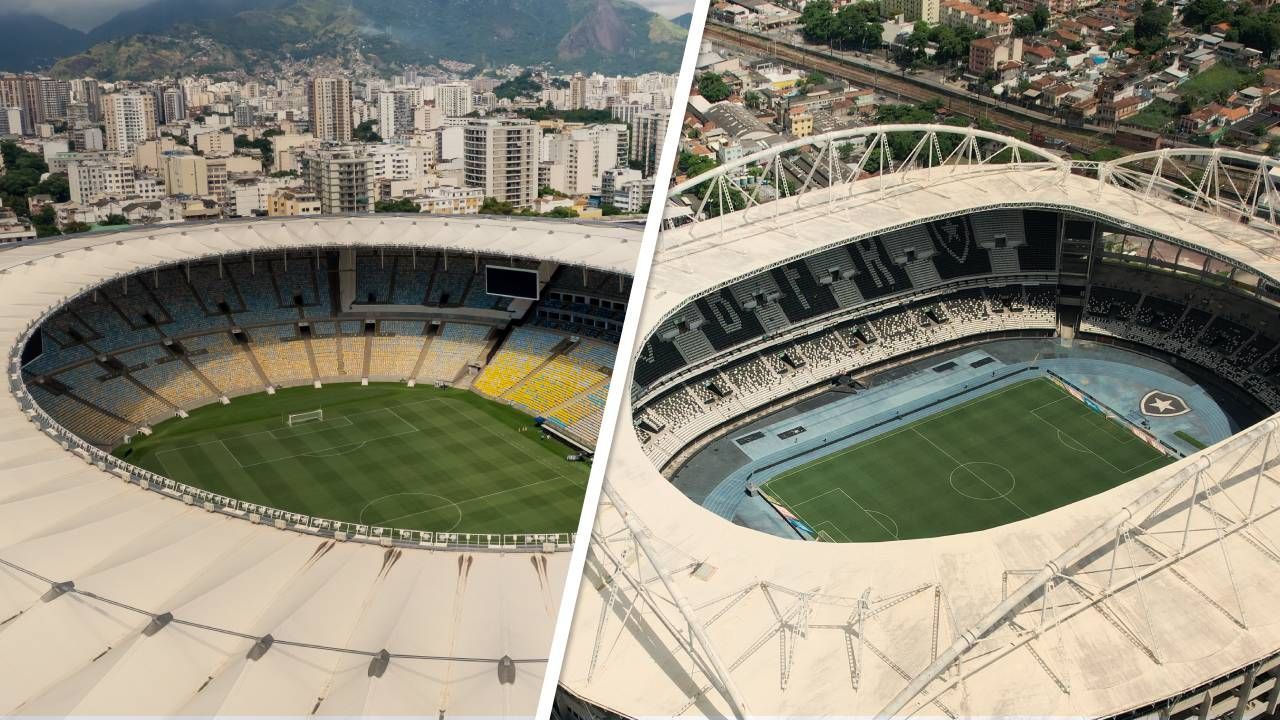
pixel 1010 454
pixel 419 458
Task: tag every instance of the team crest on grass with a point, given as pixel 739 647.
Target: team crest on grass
pixel 1159 403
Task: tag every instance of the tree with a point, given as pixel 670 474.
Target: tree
pixel 115 219
pixel 818 21
pixel 399 205
pixel 713 87
pixel 494 206
pixel 364 132
pixel 752 99
pixel 21 178
pixel 812 79
pixel 1041 16
pixel 74 227
pixel 858 26
pixel 522 86
pixel 1024 26
pixel 692 165
pixel 848 152
pixel 45 222
pixel 548 112
pixel 1150 29
pixel 951 44
pixel 1203 13
pixel 55 186
pixel 263 145
pixel 1261 32
pixel 608 209
pixel 996 5
pixel 562 212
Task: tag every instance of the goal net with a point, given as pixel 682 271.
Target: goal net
pixel 302 417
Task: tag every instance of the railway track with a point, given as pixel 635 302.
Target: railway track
pixel 1009 118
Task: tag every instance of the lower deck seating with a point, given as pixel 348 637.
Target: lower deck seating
pixel 116 394
pixel 521 354
pixel 451 350
pixel 218 358
pixel 586 365
pixel 79 418
pixel 282 355
pixel 396 349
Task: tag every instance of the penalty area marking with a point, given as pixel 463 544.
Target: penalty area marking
pixel 876 516
pixel 1071 443
pixel 307 428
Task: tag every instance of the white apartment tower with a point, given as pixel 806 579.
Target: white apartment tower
pixel 341 178
pixel 395 113
pixel 92 179
pixel 586 153
pixel 130 118
pixel 173 103
pixel 454 99
pixel 500 156
pixel 577 92
pixel 329 104
pixel 646 139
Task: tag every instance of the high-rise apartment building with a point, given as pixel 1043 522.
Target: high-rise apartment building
pixel 586 153
pixel 195 175
pixel 341 177
pixel 395 113
pixel 646 139
pixel 454 99
pixel 10 120
pixel 89 92
pixel 500 156
pixel 329 102
pixel 130 118
pixel 55 95
pixel 23 92
pixel 91 179
pixel 577 92
pixel 171 104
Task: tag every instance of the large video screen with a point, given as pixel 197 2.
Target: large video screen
pixel 511 282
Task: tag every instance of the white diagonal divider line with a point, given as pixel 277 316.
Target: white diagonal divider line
pixel 621 379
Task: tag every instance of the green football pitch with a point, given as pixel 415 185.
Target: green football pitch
pixel 1011 454
pixel 420 458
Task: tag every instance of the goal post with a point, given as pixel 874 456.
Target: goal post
pixel 308 416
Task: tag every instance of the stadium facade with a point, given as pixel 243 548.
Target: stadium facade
pixel 125 593
pixel 1152 598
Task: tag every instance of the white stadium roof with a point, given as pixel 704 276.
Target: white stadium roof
pixel 757 625
pixel 169 601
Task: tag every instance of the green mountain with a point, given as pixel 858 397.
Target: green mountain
pixel 604 35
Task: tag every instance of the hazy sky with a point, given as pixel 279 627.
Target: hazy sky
pixel 88 14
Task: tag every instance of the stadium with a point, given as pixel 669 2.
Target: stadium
pixel 928 421
pixel 298 466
